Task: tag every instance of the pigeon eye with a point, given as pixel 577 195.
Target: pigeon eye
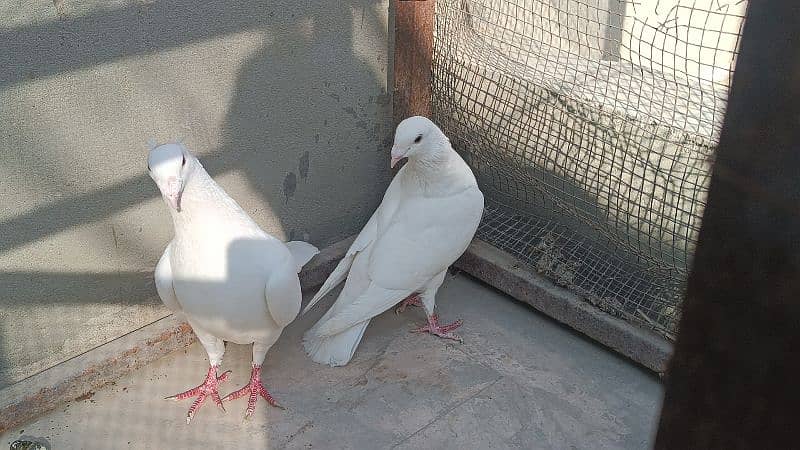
pixel 419 138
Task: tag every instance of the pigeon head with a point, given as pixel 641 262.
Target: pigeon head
pixel 169 166
pixel 415 138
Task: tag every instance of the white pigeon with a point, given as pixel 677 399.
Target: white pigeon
pixel 231 280
pixel 428 216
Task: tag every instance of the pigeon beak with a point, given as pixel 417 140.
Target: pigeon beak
pixel 174 192
pixel 397 155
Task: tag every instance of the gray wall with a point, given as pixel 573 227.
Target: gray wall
pixel 285 102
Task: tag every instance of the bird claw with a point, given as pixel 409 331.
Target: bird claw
pixel 253 390
pixel 412 300
pixel 443 331
pixel 209 388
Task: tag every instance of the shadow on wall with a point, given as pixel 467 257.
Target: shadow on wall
pixel 299 129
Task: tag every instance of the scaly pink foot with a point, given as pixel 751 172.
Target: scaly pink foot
pixel 208 388
pixel 412 300
pixel 443 331
pixel 254 388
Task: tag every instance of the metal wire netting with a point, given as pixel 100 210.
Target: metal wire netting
pixel 591 126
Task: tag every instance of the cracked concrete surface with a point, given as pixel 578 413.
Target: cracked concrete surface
pixel 518 381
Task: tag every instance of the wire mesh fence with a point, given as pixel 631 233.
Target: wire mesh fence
pixel 591 126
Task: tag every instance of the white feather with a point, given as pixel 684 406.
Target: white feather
pixel 302 252
pixel 338 275
pixel 233 281
pixel 427 218
pixel 163 279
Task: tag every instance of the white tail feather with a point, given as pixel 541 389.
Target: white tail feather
pixel 302 252
pixel 334 350
pixel 337 276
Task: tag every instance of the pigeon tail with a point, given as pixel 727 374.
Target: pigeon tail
pixel 336 350
pixel 302 252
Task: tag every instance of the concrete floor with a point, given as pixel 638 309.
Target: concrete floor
pixel 518 381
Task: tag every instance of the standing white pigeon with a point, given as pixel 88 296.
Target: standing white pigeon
pixel 427 218
pixel 231 280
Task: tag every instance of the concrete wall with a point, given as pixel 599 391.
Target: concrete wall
pixel 285 102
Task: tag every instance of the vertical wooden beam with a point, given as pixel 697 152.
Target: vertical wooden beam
pixel 413 48
pixel 734 379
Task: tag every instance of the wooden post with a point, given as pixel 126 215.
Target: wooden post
pixel 413 48
pixel 734 379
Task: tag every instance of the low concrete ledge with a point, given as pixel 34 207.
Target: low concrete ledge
pixel 501 270
pixel 79 376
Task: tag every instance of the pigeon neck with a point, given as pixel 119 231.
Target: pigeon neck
pixel 432 161
pixel 441 171
pixel 202 200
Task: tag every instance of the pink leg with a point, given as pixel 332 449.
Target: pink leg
pixel 254 388
pixel 443 331
pixel 412 300
pixel 209 388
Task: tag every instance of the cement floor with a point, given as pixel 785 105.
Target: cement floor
pixel 519 380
